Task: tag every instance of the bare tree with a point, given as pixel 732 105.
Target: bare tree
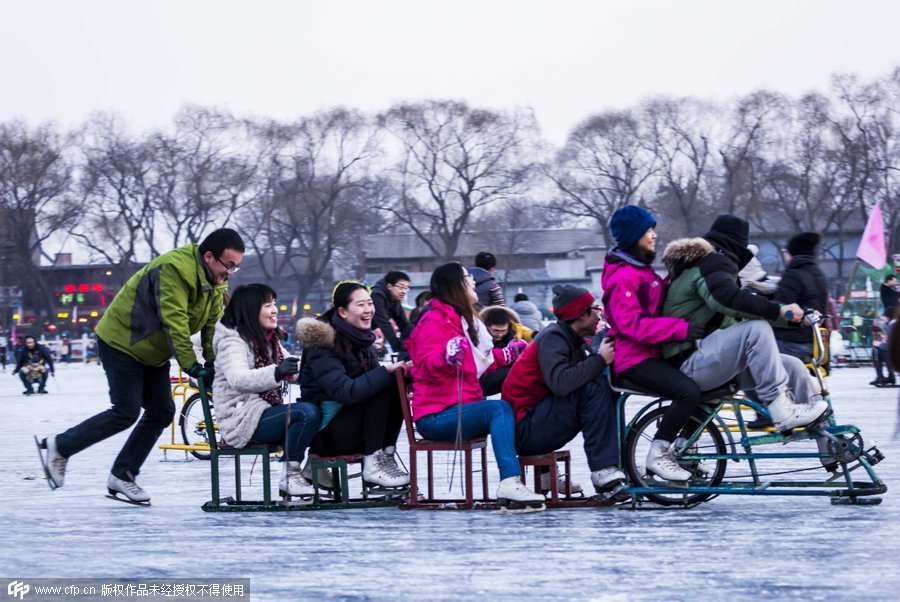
pixel 604 165
pixel 35 175
pixel 455 160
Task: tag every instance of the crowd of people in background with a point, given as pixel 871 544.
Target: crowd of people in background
pixel 477 366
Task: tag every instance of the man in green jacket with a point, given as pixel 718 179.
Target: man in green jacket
pixel 149 321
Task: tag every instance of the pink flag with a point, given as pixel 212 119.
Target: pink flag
pixel 872 248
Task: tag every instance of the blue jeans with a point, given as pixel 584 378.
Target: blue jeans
pixel 493 416
pixel 304 424
pixel 132 386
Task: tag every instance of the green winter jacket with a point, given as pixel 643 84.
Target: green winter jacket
pixel 154 315
pixel 705 289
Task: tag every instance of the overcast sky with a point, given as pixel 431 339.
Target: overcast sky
pixel 61 60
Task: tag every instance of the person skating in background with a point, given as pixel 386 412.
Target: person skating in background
pixel 388 295
pixel 251 365
pixel 34 364
pixel 149 321
pixel 451 349
pixel 890 295
pixel 881 344
pixel 486 286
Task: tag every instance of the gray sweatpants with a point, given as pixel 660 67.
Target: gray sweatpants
pixel 748 349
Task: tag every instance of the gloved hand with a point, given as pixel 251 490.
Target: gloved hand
pixel 696 330
pixel 457 348
pixel 201 372
pixel 287 367
pixel 513 350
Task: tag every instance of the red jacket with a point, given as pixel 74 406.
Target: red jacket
pixel 434 387
pixel 633 297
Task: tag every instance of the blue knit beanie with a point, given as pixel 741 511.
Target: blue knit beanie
pixel 628 225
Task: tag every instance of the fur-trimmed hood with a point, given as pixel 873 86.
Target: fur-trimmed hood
pixel 683 251
pixel 313 332
pixel 513 315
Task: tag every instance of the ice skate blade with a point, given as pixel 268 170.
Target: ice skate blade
pixel 614 494
pixel 125 500
pixel 855 501
pixel 296 500
pixel 41 447
pixel 653 481
pixel 514 507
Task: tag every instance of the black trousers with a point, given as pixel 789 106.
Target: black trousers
pixel 362 428
pixel 663 379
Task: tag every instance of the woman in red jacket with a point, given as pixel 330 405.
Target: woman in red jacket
pixel 450 349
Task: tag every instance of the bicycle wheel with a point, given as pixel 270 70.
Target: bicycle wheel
pixel 709 441
pixel 193 426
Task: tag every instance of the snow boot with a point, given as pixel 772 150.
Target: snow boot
pixel 54 462
pixel 292 483
pixel 377 473
pixel 661 462
pixel 133 492
pixel 788 414
pixel 512 492
pixel 560 484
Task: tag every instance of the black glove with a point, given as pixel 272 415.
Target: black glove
pixel 207 374
pixel 696 330
pixel 287 367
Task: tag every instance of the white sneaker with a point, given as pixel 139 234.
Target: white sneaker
pixel 324 475
pixel 56 462
pixel 129 489
pixel 292 482
pixel 607 478
pixel 376 471
pixel 700 467
pixel 560 484
pixel 787 413
pixel 661 462
pixel 513 490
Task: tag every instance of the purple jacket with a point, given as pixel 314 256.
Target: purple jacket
pixel 633 297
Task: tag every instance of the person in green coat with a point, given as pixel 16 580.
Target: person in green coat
pixel 150 321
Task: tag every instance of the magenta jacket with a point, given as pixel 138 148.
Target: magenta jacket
pixel 434 387
pixel 633 297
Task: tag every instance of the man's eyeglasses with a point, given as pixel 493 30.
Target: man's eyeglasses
pixel 400 287
pixel 231 269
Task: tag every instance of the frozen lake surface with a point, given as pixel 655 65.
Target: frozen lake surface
pixel 734 547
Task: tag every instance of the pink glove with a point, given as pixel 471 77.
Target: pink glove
pixel 513 350
pixel 457 348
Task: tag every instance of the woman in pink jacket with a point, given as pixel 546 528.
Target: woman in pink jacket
pixel 633 295
pixel 450 349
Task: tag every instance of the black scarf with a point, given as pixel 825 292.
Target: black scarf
pixel 358 338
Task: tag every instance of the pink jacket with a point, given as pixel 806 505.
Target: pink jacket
pixel 434 387
pixel 633 297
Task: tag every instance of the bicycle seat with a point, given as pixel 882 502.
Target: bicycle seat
pixel 623 385
pixel 726 390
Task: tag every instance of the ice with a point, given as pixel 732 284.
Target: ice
pixel 734 547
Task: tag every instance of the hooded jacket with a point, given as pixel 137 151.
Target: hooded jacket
pixel 324 376
pixel 155 313
pixel 633 295
pixel 487 288
pixel 529 314
pixel 705 288
pixel 802 283
pixel 237 386
pixel 434 380
pixel 386 309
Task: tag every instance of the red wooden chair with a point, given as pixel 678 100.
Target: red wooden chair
pixel 417 444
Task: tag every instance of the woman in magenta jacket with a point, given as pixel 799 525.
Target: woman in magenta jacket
pixel 633 295
pixel 451 349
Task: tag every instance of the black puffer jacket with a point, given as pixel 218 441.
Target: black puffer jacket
pixel 802 283
pixel 327 377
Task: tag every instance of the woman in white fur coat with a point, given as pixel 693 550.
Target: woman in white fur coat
pixel 251 365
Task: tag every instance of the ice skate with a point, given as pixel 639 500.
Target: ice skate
pixel 293 484
pixel 699 468
pixel 53 462
pixel 513 496
pixel 323 476
pixel 382 475
pixel 788 414
pixel 132 492
pixel 575 489
pixel 608 482
pixel 661 462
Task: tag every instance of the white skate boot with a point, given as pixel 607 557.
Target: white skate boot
pixel 788 414
pixel 608 483
pixel 293 484
pixel 133 492
pixel 323 474
pixel 381 474
pixel 54 462
pixel 514 496
pixel 560 485
pixel 661 462
pixel 698 467
pixel 389 463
